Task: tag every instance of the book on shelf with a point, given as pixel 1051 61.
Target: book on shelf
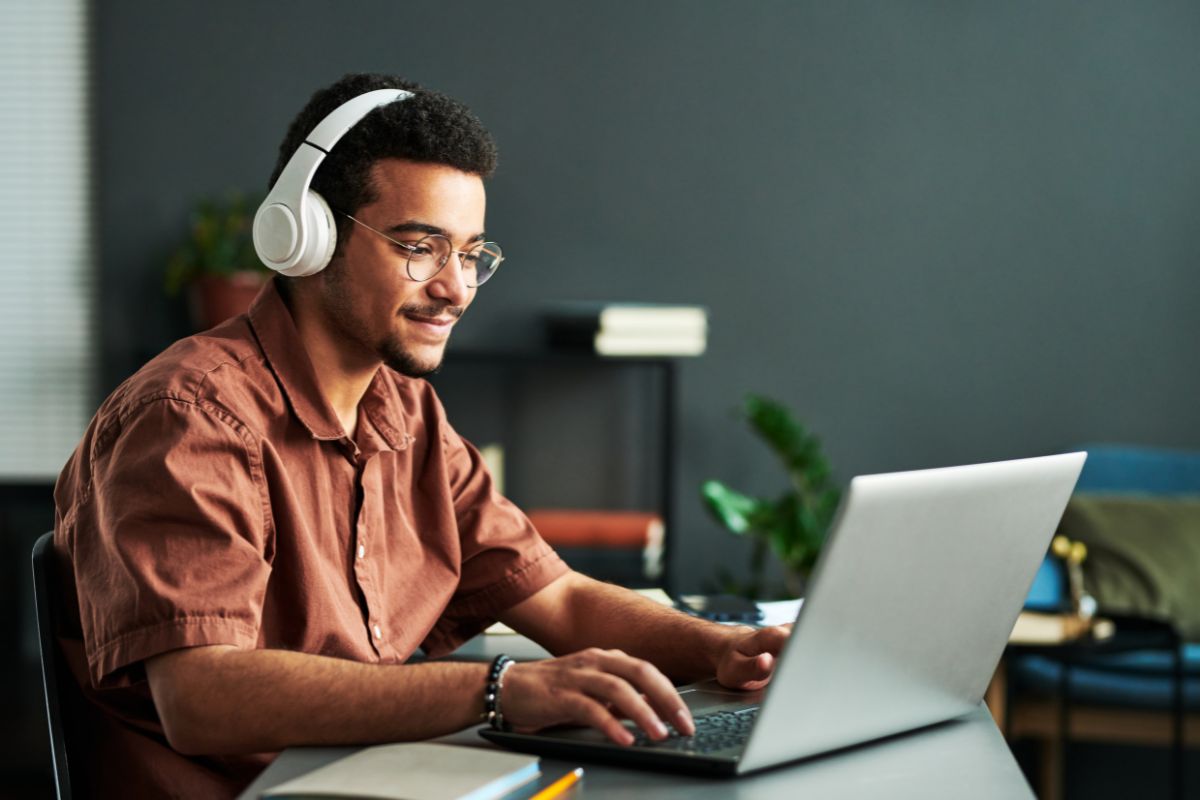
pixel 612 343
pixel 629 329
pixel 595 316
pixel 638 532
pixel 622 530
pixel 417 771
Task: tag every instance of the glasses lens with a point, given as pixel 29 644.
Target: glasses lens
pixel 481 262
pixel 427 256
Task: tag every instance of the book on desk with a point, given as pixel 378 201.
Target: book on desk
pixel 415 771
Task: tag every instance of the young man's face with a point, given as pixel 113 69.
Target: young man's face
pixel 368 295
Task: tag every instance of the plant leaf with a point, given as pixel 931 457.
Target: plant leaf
pixel 219 242
pixel 731 508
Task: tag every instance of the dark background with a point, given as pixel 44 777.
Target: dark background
pixel 943 232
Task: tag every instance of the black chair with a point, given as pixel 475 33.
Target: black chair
pixel 63 698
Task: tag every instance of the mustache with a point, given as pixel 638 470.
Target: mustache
pixel 432 310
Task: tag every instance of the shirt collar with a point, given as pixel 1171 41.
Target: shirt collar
pixel 281 345
pixel 380 405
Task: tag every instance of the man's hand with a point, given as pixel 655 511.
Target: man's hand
pixel 597 688
pixel 749 659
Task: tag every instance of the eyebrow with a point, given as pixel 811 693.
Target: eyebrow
pixel 422 227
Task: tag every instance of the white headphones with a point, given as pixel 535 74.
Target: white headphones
pixel 294 231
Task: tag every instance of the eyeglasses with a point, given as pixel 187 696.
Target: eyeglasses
pixel 425 257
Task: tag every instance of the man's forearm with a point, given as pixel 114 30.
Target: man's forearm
pixel 582 612
pixel 220 700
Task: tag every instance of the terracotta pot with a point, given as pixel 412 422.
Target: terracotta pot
pixel 215 298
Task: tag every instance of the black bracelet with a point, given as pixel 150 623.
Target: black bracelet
pixel 491 695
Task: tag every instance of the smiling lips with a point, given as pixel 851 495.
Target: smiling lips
pixel 435 325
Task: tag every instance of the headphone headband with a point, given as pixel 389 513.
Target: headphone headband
pixel 294 231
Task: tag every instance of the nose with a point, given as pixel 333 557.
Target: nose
pixel 450 282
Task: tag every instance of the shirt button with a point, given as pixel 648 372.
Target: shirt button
pixel 362 550
pixel 378 632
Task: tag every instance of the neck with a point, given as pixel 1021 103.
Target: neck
pixel 343 371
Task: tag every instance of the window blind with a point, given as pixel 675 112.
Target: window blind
pixel 47 348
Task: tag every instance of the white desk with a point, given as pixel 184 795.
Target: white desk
pixel 966 757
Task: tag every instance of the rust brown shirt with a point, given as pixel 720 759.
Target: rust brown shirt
pixel 215 499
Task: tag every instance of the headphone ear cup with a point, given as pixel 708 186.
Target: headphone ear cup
pixel 275 234
pixel 322 235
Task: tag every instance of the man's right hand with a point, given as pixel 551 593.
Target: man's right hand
pixel 596 688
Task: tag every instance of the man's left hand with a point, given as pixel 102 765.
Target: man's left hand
pixel 748 659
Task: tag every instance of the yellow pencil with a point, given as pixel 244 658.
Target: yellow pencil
pixel 560 785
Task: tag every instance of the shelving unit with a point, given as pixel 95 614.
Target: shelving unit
pixel 548 407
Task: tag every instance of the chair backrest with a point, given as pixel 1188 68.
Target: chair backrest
pixel 1122 469
pixel 1119 469
pixel 59 683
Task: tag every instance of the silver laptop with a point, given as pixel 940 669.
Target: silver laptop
pixel 908 612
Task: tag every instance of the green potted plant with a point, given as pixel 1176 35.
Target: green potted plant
pixel 793 525
pixel 216 263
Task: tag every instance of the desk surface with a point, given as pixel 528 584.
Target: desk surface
pixel 966 757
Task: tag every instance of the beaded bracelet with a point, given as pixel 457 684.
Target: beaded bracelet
pixel 491 695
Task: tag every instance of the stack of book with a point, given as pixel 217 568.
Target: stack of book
pixel 629 329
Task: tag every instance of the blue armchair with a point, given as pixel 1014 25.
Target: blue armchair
pixel 1125 697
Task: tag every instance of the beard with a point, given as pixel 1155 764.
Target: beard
pixel 394 355
pixel 392 351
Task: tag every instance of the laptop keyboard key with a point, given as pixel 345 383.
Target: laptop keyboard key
pixel 720 730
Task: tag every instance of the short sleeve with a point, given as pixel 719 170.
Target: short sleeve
pixel 504 559
pixel 171 545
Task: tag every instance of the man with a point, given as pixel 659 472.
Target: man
pixel 264 523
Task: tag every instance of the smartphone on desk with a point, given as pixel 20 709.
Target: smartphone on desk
pixel 720 607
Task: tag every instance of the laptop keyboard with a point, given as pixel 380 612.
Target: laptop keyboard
pixel 719 730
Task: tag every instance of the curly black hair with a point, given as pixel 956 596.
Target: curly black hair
pixel 428 127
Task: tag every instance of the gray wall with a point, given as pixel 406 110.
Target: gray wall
pixel 943 232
